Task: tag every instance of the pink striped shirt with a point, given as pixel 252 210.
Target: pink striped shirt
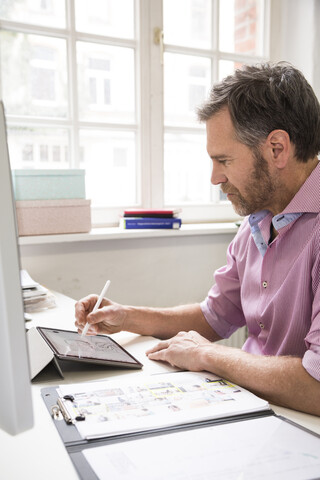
pixel 274 289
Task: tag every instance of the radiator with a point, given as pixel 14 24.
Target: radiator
pixel 237 339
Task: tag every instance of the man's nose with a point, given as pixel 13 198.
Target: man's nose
pixel 217 175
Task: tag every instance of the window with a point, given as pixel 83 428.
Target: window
pixel 99 81
pixel 44 153
pixel 213 38
pixel 56 154
pixel 85 86
pixel 27 153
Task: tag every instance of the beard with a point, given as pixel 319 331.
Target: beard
pixel 260 187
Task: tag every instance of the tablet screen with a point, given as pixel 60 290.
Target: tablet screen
pixel 100 348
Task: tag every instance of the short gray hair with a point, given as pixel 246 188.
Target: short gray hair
pixel 266 97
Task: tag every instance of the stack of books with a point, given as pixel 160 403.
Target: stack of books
pixel 142 218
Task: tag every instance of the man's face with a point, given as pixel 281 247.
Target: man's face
pixel 243 175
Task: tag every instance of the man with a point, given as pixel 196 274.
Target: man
pixel 263 136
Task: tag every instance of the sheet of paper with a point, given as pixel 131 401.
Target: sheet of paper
pixel 150 402
pixel 261 449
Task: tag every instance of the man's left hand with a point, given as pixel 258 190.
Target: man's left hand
pixel 182 351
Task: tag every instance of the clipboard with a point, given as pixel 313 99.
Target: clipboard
pixel 77 446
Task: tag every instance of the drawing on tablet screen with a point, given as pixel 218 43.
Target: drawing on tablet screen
pixel 71 344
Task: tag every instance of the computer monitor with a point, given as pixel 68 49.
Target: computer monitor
pixel 16 413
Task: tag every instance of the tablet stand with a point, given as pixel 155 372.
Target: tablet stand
pixel 40 354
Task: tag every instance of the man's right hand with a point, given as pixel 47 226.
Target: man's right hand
pixel 109 318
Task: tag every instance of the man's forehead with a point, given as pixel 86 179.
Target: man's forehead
pixel 220 121
pixel 220 133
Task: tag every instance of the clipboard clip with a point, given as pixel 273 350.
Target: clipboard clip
pixel 62 408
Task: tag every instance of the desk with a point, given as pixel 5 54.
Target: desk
pixel 39 453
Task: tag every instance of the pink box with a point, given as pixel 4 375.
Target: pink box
pixel 46 217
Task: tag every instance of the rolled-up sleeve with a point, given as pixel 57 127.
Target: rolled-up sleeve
pixel 222 307
pixel 311 361
pixel 311 358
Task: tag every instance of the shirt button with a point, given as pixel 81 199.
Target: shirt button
pixel 264 284
pixel 261 325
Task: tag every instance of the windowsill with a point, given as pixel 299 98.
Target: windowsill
pixel 117 233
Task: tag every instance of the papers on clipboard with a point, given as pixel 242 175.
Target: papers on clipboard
pixel 152 402
pixel 166 425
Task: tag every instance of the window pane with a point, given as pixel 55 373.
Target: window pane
pixel 49 13
pixel 193 17
pixel 227 67
pixel 38 147
pixel 187 169
pixel 110 162
pixel 106 83
pixel 187 82
pixel 33 74
pixel 241 26
pixel 113 18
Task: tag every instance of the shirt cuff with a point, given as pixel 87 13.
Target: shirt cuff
pixel 311 362
pixel 219 325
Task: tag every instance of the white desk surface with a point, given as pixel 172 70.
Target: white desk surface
pixel 39 453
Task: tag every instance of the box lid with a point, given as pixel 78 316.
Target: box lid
pixel 76 202
pixel 47 172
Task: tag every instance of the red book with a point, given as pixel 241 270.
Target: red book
pixel 142 212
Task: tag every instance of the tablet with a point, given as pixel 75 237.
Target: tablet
pixel 99 349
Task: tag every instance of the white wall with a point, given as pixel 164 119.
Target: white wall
pixel 160 271
pixel 295 36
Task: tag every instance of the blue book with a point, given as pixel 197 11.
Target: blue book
pixel 148 222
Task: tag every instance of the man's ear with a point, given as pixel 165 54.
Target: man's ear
pixel 278 147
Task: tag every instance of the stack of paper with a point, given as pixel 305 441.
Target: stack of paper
pixel 35 296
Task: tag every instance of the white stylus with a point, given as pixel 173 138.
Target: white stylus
pixel 97 305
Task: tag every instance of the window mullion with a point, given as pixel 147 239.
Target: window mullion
pixel 143 104
pixel 266 31
pixel 156 109
pixel 215 25
pixel 73 85
pixel 214 194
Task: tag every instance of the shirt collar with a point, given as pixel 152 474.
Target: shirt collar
pixel 261 235
pixel 307 199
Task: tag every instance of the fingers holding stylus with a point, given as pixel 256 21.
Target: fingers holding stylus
pixel 107 319
pixel 82 309
pixel 97 305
